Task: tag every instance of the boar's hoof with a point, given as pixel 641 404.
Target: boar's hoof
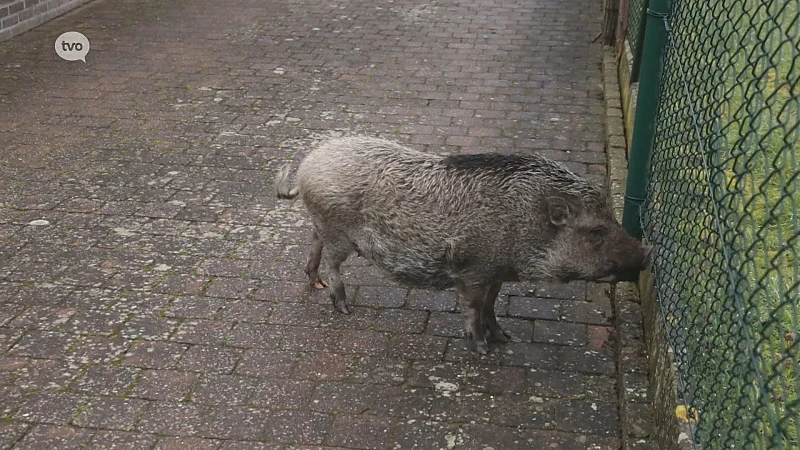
pixel 318 284
pixel 340 305
pixel 478 345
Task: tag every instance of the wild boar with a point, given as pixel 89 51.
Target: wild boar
pixel 468 222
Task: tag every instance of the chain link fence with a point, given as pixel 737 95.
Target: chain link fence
pixel 636 21
pixel 722 210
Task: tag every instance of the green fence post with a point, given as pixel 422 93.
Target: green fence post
pixel 652 67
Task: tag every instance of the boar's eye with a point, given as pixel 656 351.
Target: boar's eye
pixel 598 233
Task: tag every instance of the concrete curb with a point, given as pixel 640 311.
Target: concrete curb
pixel 634 401
pixel 645 363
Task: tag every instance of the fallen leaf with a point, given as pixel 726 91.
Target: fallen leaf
pixel 683 412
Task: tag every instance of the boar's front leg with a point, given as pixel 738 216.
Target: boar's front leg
pixel 471 298
pixel 314 258
pixel 488 316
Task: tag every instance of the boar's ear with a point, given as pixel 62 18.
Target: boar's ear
pixel 562 211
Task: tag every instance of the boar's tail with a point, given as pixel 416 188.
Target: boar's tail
pixel 282 187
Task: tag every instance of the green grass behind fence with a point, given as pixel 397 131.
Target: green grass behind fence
pixel 723 211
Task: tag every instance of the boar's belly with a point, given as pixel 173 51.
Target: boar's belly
pixel 410 264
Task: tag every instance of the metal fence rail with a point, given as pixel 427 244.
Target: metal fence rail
pixel 722 210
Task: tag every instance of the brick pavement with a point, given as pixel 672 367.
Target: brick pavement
pixel 152 287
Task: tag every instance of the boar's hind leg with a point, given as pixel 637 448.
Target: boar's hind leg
pixel 338 251
pixel 314 257
pixel 471 298
pixel 488 317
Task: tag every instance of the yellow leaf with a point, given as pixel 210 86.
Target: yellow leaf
pixel 687 414
pixel 672 319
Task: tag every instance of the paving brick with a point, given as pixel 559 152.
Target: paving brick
pixel 154 355
pixel 282 394
pixel 106 380
pixel 181 283
pixel 600 338
pixel 475 377
pixel 256 335
pixel 180 443
pixel 534 308
pixel 561 333
pixel 397 401
pixel 47 374
pixel 554 384
pixel 585 312
pixel 194 307
pixel 446 324
pixel 417 346
pixel 540 356
pixel 467 407
pixel 11 397
pixel 148 327
pixel 586 417
pixel 323 366
pixel 381 296
pixel 363 342
pixel 46 317
pixel 9 365
pixel 310 339
pixel 522 411
pixel 50 407
pixel 424 434
pixel 337 397
pixel 586 360
pixel 380 370
pixel 224 390
pixel 111 413
pixel 53 436
pixel 164 384
pixel 230 288
pixel 145 305
pixel 203 358
pixel 98 349
pixel 42 344
pixel 250 445
pixel 367 432
pixel 431 300
pixel 184 418
pixel 120 440
pixel 10 432
pixel 300 427
pixel 246 311
pixel 223 268
pixel 11 310
pixel 240 423
pixel 267 363
pixel 95 322
pixel 9 337
pixel 206 332
pixel 572 291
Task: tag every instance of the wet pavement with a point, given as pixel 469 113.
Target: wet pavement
pixel 152 292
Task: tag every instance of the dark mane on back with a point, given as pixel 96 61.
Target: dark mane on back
pixel 552 174
pixel 487 161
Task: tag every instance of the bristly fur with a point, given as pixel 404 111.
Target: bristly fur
pixel 410 212
pixel 465 221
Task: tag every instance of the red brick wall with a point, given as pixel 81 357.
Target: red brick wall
pixel 17 16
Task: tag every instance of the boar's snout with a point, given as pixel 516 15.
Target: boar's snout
pixel 633 257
